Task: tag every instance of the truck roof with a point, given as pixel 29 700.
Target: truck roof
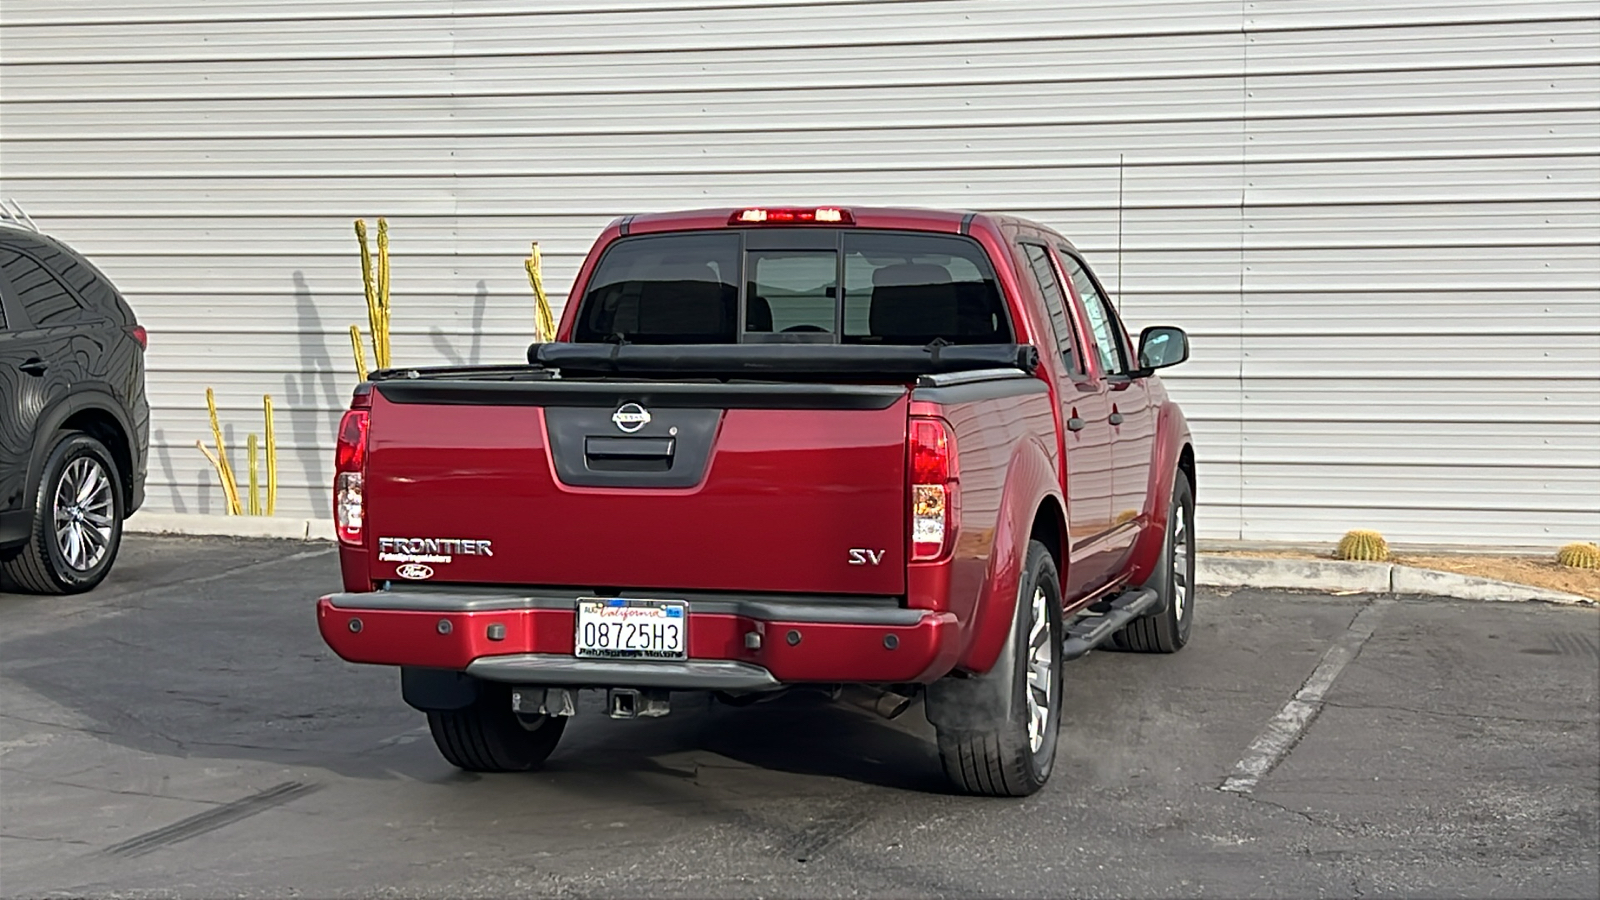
pixel 897 217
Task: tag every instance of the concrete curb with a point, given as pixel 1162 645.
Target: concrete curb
pixel 1366 578
pixel 230 526
pixel 1210 570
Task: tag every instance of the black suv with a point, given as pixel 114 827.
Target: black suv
pixel 74 422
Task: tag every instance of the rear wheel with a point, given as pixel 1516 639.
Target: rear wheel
pixel 997 732
pixel 77 520
pixel 1167 631
pixel 489 737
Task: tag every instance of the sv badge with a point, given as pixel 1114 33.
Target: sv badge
pixel 860 556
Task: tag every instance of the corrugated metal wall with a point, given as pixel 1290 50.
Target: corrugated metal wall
pixel 1379 219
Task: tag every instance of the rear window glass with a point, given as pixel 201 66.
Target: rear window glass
pixel 917 288
pixel 898 288
pixel 665 289
pixel 792 291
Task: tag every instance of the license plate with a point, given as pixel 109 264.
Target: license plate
pixel 623 629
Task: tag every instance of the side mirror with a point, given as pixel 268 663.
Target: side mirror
pixel 1161 346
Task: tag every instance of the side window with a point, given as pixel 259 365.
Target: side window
pixel 1044 275
pixel 45 300
pixel 80 275
pixel 1102 321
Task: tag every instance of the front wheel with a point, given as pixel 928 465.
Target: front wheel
pixel 489 736
pixel 997 731
pixel 1167 631
pixel 77 520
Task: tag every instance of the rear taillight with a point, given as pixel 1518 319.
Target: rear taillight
pixel 138 333
pixel 350 475
pixel 935 501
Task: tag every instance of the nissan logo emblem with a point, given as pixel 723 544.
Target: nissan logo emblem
pixel 630 417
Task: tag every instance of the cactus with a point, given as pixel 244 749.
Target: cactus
pixel 254 456
pixel 1579 555
pixel 375 282
pixel 272 455
pixel 361 357
pixel 544 324
pixel 230 486
pixel 1363 545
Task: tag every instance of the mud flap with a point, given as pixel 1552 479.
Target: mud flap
pixel 436 690
pixel 977 702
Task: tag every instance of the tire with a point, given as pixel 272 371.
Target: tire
pixel 995 739
pixel 73 544
pixel 489 737
pixel 1168 630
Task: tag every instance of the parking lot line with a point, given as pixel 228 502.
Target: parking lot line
pixel 1284 730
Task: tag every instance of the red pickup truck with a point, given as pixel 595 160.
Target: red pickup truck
pixel 877 452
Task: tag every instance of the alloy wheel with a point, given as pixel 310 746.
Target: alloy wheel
pixel 1041 681
pixel 1180 562
pixel 84 507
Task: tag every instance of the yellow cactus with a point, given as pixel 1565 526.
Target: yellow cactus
pixel 544 323
pixel 1363 545
pixel 272 456
pixel 375 282
pixel 1579 555
pixel 254 456
pixel 230 486
pixel 381 347
pixel 355 347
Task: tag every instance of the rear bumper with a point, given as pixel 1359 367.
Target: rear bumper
pixel 528 638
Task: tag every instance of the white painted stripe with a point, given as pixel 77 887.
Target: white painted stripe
pixel 1284 730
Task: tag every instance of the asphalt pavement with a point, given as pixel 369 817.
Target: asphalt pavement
pixel 182 731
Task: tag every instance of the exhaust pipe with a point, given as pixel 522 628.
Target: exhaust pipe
pixel 887 704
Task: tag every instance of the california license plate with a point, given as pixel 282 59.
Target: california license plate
pixel 645 629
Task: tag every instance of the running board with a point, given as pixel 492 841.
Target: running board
pixel 1097 625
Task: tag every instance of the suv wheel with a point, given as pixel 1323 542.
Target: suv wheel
pixel 997 731
pixel 77 520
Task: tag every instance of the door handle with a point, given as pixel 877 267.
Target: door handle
pixel 1116 418
pixel 1074 424
pixel 34 366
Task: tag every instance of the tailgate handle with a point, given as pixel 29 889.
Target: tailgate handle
pixel 620 448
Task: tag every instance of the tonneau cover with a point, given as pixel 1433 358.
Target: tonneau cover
pixel 792 360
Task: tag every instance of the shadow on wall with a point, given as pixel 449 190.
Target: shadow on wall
pixel 204 478
pixel 442 343
pixel 314 389
pixel 164 456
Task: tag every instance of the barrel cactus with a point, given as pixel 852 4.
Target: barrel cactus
pixel 1580 555
pixel 1363 545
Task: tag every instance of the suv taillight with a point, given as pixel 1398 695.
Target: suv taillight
pixel 350 475
pixel 935 498
pixel 138 333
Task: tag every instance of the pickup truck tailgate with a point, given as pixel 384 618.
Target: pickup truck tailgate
pixel 672 486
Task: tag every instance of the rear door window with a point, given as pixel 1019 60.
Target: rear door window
pixel 897 288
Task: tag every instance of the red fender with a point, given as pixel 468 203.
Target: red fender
pixel 1031 480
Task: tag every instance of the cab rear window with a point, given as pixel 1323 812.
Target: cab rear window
pixel 845 286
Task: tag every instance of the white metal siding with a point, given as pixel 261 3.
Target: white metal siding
pixel 1379 220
